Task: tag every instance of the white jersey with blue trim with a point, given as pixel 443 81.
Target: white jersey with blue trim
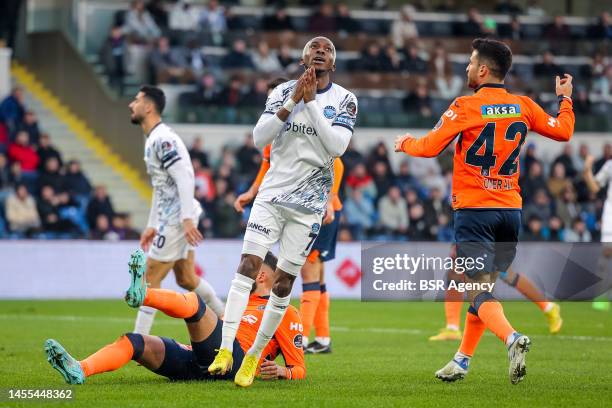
pixel 301 169
pixel 603 178
pixel 165 153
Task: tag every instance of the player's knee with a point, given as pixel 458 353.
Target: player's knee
pixel 249 265
pixel 481 298
pixel 186 281
pixel 137 342
pixel 283 284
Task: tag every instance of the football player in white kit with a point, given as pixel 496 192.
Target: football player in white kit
pixel 171 232
pixel 309 122
pixel 596 183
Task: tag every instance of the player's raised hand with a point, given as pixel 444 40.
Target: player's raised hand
pixel 564 85
pixel 242 200
pixel 310 85
pixel 298 91
pixel 272 371
pixel 146 238
pixel 192 235
pixel 399 141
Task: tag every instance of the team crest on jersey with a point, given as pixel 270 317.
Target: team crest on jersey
pixel 166 147
pixel 351 108
pixel 315 228
pixel 297 341
pixel 329 112
pixel 500 111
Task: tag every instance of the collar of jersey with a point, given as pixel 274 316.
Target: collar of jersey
pixel 495 86
pixel 154 127
pixel 327 88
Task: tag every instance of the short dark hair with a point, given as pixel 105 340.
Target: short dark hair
pixel 270 260
pixel 276 82
pixel 155 95
pixel 495 54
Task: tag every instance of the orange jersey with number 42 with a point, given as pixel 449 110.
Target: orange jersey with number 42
pixel 492 125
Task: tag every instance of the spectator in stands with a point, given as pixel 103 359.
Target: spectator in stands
pixel 603 28
pixel 474 26
pixel 507 7
pixel 359 179
pixel 380 154
pixel 419 229
pixel 447 6
pixel 547 68
pixel 534 9
pixel 555 229
pixel 391 59
pixel 286 60
pixel 393 213
pixel 532 181
pixel 596 68
pixel 345 23
pixel 435 206
pixel 279 21
pixel 249 157
pixel 212 19
pixel 557 180
pixel 513 31
pixel 445 232
pixel 405 180
pixel 100 204
pixel 376 5
pixel 566 158
pixel 533 230
pixel 418 101
pixel 539 206
pixel 413 62
pixel 557 30
pixel 226 219
pixel 76 183
pixel 403 28
pixel 4 137
pixel 323 20
pixel 351 158
pixel 30 125
pixel 582 102
pixel 46 150
pixel 265 60
pixel 6 182
pixel 101 230
pixel 359 212
pixel 371 59
pixel 197 152
pixel 204 183
pixel 238 58
pixel 603 85
pixel 578 232
pixel 21 151
pixel 183 16
pixel 439 61
pixel 449 85
pixel 383 179
pixel 121 226
pixel 258 94
pixel 566 206
pixel 51 176
pixel 197 61
pixel 49 209
pixel 234 94
pixel 606 155
pixel 207 93
pixel 168 64
pixel 113 57
pixel 140 25
pixel 21 212
pixel 12 110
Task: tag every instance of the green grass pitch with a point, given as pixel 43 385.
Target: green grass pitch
pixel 381 358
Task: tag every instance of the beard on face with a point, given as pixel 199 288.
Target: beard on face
pixel 135 120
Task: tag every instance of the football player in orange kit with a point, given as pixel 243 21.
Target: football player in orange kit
pixel 177 361
pixel 492 125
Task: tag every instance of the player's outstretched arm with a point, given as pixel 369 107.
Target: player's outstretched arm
pixel 448 127
pixel 560 128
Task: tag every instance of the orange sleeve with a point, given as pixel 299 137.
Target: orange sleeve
pixel 560 128
pixel 448 127
pixel 289 338
pixel 338 173
pixel 263 168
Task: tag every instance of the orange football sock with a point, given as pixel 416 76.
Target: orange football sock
pixel 453 300
pixel 109 358
pixel 491 313
pixel 309 302
pixel 531 292
pixel 474 328
pixel 321 321
pixel 174 304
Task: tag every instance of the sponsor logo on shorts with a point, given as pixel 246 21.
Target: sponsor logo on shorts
pixel 259 228
pixel 315 228
pixel 329 112
pixel 297 341
pixel 500 111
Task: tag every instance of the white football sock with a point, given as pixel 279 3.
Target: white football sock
pixel 208 295
pixel 275 310
pixel 305 341
pixel 324 341
pixel 237 300
pixel 144 320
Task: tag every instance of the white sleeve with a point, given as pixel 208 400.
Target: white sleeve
pixel 269 124
pixel 178 166
pixel 604 174
pixel 335 137
pixel 152 223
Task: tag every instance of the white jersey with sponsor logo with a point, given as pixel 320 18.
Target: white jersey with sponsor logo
pixel 301 169
pixel 163 150
pixel 603 177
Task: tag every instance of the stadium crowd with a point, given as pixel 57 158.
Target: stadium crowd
pixel 41 194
